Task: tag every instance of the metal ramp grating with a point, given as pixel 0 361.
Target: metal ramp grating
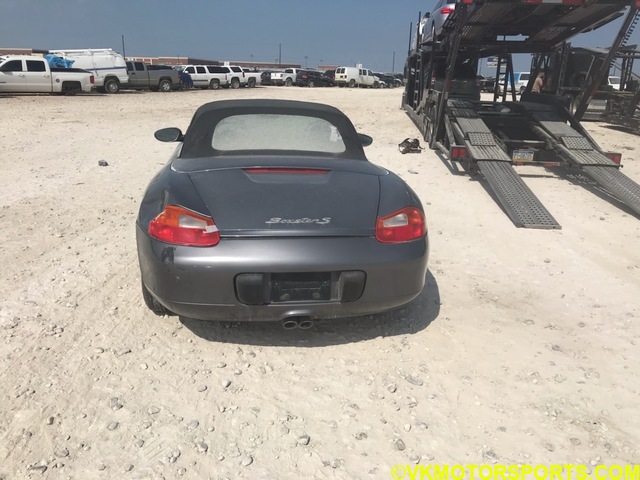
pixel 464 112
pixel 559 129
pixel 617 184
pixel 577 143
pixel 586 158
pixel 472 125
pixel 522 206
pixel 481 139
pixel 488 152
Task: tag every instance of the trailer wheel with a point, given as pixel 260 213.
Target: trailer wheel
pixel 111 85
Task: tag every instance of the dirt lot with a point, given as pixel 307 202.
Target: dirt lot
pixel 523 347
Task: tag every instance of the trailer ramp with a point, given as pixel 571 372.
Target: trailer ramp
pixel 521 205
pixel 579 151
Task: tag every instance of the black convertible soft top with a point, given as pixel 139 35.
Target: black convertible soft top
pixel 197 141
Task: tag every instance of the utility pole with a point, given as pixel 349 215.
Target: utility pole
pixel 124 55
pixel 393 63
pixel 279 55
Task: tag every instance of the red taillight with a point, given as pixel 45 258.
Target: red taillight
pixel 457 152
pixel 180 226
pixel 446 10
pixel 301 171
pixel 401 226
pixel 92 79
pixel 615 157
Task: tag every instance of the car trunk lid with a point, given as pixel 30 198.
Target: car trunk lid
pixel 286 201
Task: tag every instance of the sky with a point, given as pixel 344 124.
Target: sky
pixel 310 33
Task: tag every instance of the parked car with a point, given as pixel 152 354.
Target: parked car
pixel 614 82
pixel 520 81
pixel 286 221
pixel 265 77
pixel 31 74
pixel 253 77
pixel 486 84
pixel 143 76
pixel 285 77
pixel 313 78
pixel 354 77
pixel 106 65
pixel 386 80
pixel 331 74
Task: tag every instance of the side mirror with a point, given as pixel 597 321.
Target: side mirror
pixel 171 134
pixel 366 140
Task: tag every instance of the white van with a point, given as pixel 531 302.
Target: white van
pixel 354 77
pixel 106 65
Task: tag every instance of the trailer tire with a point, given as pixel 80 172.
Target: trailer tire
pixel 111 85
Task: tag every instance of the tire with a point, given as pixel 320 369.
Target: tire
pixel 214 84
pixel 251 83
pixel 111 85
pixel 352 83
pixel 311 84
pixel 235 83
pixel 288 82
pixel 154 305
pixel 165 85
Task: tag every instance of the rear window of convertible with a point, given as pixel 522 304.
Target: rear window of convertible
pixel 276 132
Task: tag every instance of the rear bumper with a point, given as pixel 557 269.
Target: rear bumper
pixel 203 283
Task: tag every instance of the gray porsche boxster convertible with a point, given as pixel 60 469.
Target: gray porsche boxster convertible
pixel 269 210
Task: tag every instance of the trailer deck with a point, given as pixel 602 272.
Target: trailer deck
pixel 492 137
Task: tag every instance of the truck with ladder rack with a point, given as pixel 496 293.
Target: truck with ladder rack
pixel 491 137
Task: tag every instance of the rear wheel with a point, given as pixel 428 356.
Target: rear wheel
pixel 288 82
pixel 235 83
pixel 214 84
pixel 111 85
pixel 154 305
pixel 164 85
pixel 312 83
pixel 352 83
pixel 251 82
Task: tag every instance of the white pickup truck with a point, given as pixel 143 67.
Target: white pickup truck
pixel 253 77
pixel 31 74
pixel 287 77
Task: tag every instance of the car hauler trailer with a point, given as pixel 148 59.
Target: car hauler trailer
pixel 611 103
pixel 492 137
